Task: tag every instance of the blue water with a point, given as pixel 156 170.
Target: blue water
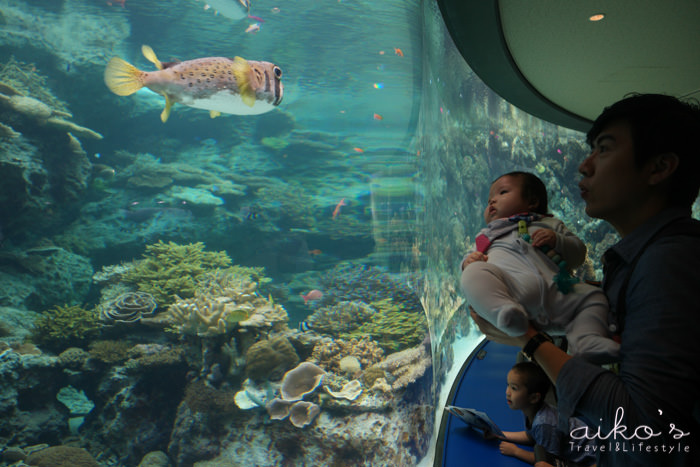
pixel 345 209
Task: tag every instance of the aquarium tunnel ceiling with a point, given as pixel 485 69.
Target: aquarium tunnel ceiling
pixel 553 59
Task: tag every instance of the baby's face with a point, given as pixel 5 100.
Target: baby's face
pixel 505 199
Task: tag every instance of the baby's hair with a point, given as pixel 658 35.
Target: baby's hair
pixel 534 378
pixel 533 190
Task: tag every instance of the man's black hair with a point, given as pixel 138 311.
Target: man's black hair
pixel 660 124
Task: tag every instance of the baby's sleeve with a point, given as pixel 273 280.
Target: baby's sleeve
pixel 569 246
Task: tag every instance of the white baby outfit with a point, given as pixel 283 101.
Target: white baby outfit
pixel 517 285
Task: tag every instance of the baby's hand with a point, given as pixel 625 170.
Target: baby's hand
pixel 544 237
pixel 473 257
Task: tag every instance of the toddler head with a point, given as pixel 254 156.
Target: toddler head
pixel 527 386
pixel 513 193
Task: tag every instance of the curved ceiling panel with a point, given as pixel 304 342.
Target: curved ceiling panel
pixel 549 59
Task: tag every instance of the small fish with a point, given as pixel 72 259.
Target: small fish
pixel 377 117
pixel 218 84
pixel 231 9
pixel 305 326
pixel 398 51
pixel 253 28
pixel 256 18
pixel 313 295
pixel 315 252
pixel 336 211
pixel 250 213
pixel 360 150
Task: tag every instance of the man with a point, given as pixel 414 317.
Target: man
pixel 642 176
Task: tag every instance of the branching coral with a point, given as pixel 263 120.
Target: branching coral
pixel 367 284
pixel 225 300
pixel 385 321
pixel 341 318
pixel 392 327
pixel 169 271
pixel 64 325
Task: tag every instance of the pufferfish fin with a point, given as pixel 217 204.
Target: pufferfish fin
pixel 123 78
pixel 214 113
pixel 241 71
pixel 150 55
pixel 166 111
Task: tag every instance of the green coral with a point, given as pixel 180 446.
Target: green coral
pixel 64 325
pixel 274 142
pixel 169 269
pixel 110 351
pixel 391 326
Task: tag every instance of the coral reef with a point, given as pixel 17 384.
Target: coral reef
pixel 303 413
pixel 349 391
pixel 384 321
pixel 328 353
pixel 300 381
pixel 62 326
pixel 269 359
pixel 392 327
pixel 128 308
pixel 341 318
pixel 406 367
pixel 39 114
pixel 347 282
pixel 109 351
pixel 168 270
pixel 62 456
pixel 44 276
pixel 224 301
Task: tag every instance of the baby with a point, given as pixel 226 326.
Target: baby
pixel 510 279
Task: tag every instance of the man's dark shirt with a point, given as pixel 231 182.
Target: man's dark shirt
pixel 659 379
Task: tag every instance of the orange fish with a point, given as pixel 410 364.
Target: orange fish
pixel 311 296
pixel 336 211
pixel 398 51
pixel 360 150
pixel 377 117
pixel 315 252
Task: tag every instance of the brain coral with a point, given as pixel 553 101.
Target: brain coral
pixel 269 359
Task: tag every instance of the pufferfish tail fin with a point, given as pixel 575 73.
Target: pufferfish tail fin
pixel 123 78
pixel 241 71
pixel 150 55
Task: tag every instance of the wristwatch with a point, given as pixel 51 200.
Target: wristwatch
pixel 534 343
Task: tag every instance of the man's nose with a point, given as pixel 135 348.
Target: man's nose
pixel 585 168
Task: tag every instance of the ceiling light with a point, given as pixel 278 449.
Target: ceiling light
pixel 596 17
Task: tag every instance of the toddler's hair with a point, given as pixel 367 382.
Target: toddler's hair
pixel 534 377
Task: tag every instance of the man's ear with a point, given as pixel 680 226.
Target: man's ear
pixel 663 166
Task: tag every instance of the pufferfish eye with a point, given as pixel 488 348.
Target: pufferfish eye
pixel 278 72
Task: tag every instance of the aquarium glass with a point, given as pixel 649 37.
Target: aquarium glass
pixel 200 266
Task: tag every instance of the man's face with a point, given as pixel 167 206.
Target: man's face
pixel 613 188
